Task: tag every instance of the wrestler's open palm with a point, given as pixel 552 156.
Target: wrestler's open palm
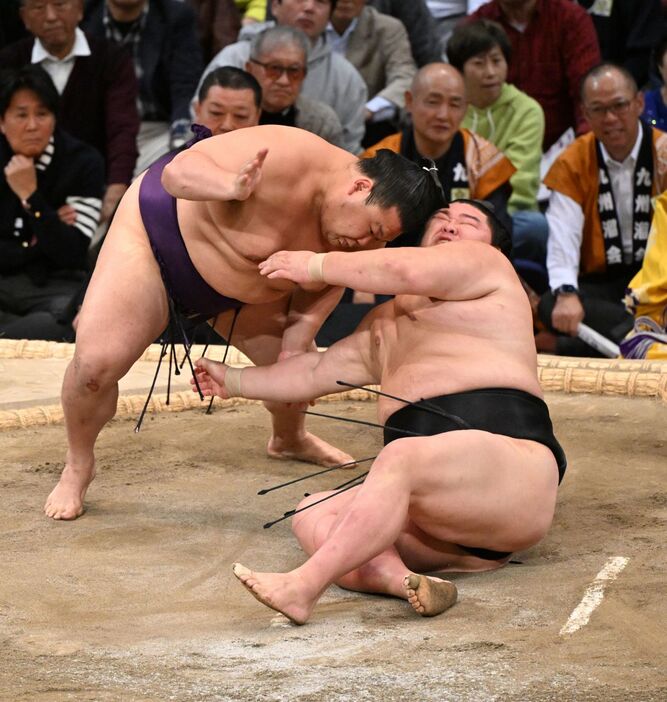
pixel 209 385
pixel 288 265
pixel 248 177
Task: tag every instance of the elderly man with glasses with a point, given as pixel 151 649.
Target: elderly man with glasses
pixel 600 210
pixel 278 60
pixel 330 78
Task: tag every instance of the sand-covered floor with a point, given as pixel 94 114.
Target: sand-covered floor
pixel 136 600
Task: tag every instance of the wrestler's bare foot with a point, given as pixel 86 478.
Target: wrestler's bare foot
pixel 429 596
pixel 66 498
pixel 309 448
pixel 284 592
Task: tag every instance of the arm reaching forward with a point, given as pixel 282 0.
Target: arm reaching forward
pixel 299 378
pixel 193 175
pixel 461 270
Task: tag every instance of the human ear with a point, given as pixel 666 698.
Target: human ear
pixel 361 185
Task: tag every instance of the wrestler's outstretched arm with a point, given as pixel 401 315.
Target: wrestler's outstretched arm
pixel 194 175
pixel 297 379
pixel 457 270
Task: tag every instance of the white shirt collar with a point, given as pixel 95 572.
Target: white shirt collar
pixel 80 48
pixel 632 155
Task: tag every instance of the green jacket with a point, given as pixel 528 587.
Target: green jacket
pixel 515 124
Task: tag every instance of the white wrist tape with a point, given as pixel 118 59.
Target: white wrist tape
pixel 233 381
pixel 316 267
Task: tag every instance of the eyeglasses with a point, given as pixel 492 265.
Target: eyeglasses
pixel 39 6
pixel 618 109
pixel 275 70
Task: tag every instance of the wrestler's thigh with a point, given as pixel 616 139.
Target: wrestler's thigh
pixel 481 489
pixel 258 330
pixel 125 307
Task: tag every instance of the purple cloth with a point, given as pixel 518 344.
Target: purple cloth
pixel 191 294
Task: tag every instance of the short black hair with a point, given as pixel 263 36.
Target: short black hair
pixel 31 77
pixel 233 78
pixel 601 68
pixel 401 183
pixel 501 238
pixel 474 38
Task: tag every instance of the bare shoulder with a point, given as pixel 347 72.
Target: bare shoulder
pixel 472 265
pixel 288 147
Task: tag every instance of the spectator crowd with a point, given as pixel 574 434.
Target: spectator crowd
pixel 550 111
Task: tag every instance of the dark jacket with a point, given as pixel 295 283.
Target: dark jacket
pixel 420 25
pixel 629 33
pixel 99 103
pixel 38 242
pixel 169 54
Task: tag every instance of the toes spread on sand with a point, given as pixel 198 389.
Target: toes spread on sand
pixel 429 596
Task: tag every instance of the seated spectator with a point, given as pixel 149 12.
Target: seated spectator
pixel 627 31
pixel 655 101
pixel 251 10
pixel 330 79
pixel 508 118
pixel 553 46
pixel 600 211
pixel 163 40
pixel 50 199
pixel 646 296
pixel 468 166
pixel 377 46
pixel 420 25
pixel 278 60
pixel 95 80
pixel 218 24
pixel 229 99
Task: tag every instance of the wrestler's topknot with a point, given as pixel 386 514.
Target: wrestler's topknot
pixel 400 183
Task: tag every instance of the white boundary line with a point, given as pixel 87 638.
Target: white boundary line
pixel 594 595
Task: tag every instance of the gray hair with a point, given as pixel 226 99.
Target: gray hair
pixel 278 36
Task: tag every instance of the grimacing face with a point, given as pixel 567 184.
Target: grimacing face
pixel 460 221
pixel 27 124
pixel 310 16
pixel 226 109
pixel 350 224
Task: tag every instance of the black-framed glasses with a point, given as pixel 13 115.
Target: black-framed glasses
pixel 275 70
pixel 618 109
